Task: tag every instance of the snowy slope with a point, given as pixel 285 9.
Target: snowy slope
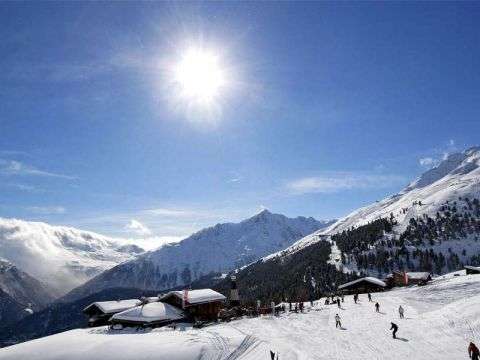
pixel 23 288
pixel 222 247
pixel 456 176
pixel 61 257
pixel 441 319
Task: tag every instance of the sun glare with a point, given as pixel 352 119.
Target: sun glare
pixel 199 76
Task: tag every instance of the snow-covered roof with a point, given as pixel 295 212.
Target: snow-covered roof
pixel 149 313
pixel 111 307
pixel 197 296
pixel 476 268
pixel 369 279
pixel 418 275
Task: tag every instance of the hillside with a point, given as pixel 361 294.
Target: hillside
pixel 21 293
pixel 220 248
pixel 10 310
pixel 456 176
pixel 441 319
pixel 61 257
pixel 304 275
pixel 433 224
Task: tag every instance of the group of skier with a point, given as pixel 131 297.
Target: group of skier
pixel 394 327
pixel 473 351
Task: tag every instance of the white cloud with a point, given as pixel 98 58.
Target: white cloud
pixel 47 210
pixel 138 228
pixel 154 242
pixel 428 162
pixel 13 167
pixel 169 212
pixel 334 182
pixel 24 187
pixel 438 154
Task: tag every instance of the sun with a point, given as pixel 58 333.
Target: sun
pixel 199 76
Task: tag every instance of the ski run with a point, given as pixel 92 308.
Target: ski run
pixel 440 321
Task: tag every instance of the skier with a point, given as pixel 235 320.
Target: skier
pixel 473 351
pixel 290 306
pixel 377 307
pixel 337 321
pixel 338 303
pixel 369 297
pixel 355 298
pixel 395 329
pixel 400 311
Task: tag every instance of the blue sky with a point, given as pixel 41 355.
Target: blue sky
pixel 328 107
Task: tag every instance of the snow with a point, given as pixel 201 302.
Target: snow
pixel 369 279
pixel 148 313
pixel 457 176
pixel 440 320
pixel 197 296
pixel 62 257
pixel 111 307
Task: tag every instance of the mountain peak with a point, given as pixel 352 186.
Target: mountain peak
pixel 456 163
pixel 264 211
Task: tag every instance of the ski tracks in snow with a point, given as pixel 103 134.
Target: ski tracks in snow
pixel 222 349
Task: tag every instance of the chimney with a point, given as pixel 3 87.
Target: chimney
pixel 234 298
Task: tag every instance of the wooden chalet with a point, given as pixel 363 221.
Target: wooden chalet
pixel 472 270
pixel 363 285
pixel 202 304
pixel 418 278
pixel 401 278
pixel 101 311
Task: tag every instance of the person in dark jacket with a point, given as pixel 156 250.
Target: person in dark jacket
pixel 338 302
pixel 377 307
pixel 395 329
pixel 337 321
pixel 473 351
pixel 369 297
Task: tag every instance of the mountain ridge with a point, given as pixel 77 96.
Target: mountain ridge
pixel 218 248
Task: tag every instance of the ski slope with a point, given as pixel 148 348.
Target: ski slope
pixel 458 175
pixel 441 319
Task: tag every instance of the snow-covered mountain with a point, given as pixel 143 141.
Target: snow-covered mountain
pixel 220 248
pixel 23 288
pixel 456 177
pixel 61 257
pixel 20 293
